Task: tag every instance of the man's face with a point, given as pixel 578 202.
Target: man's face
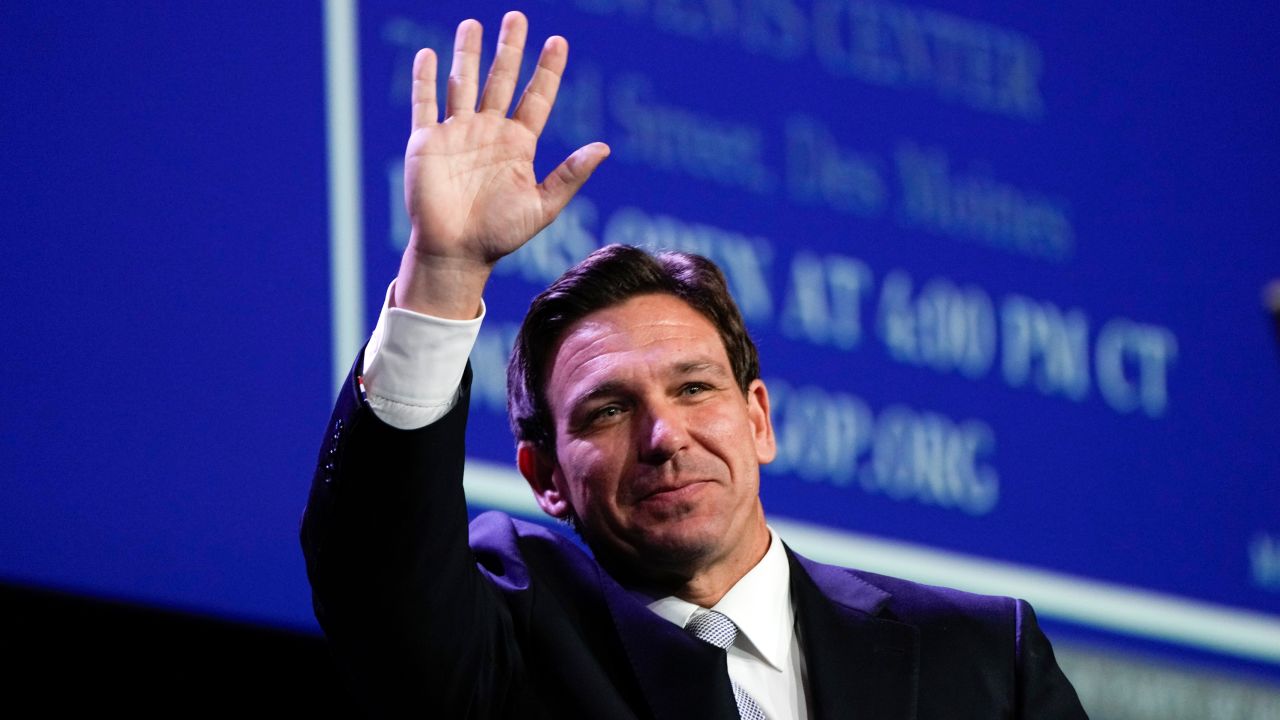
pixel 657 448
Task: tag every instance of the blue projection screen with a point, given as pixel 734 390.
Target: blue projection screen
pixel 1005 264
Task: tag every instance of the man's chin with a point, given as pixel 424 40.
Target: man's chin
pixel 679 548
pixel 661 547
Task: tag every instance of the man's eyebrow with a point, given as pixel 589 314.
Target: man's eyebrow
pixel 615 388
pixel 609 388
pixel 696 366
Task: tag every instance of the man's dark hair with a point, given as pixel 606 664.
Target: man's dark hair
pixel 607 277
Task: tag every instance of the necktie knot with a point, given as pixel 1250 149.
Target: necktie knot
pixel 713 627
pixel 717 629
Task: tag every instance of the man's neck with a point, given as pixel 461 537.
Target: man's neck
pixel 707 588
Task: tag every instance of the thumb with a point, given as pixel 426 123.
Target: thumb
pixel 564 182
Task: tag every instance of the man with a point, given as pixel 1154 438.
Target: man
pixel 635 396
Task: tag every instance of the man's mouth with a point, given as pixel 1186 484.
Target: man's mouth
pixel 674 492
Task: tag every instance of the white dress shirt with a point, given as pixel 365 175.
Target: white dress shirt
pixel 765 659
pixel 412 371
pixel 413 364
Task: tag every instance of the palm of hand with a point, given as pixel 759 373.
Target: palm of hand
pixel 470 187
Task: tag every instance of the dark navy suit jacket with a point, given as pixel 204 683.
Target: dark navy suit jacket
pixel 507 619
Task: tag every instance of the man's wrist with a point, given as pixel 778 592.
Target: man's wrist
pixel 441 287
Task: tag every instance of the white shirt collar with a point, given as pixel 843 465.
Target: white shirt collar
pixel 759 604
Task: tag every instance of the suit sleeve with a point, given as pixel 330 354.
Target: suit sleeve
pixel 411 620
pixel 1043 690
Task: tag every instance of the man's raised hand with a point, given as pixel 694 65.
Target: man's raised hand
pixel 470 189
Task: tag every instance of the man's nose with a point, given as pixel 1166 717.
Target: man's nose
pixel 663 435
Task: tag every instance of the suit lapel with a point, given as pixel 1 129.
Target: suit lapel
pixel 681 677
pixel 858 665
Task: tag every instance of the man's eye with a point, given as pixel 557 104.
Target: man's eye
pixel 695 388
pixel 605 413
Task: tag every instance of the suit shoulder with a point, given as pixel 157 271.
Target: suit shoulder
pixel 963 618
pixel 497 531
pixel 509 551
pixel 920 601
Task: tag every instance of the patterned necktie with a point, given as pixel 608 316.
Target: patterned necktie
pixel 717 629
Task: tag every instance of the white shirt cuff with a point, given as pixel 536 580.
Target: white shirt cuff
pixel 413 364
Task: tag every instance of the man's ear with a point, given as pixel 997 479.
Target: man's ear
pixel 539 470
pixel 761 422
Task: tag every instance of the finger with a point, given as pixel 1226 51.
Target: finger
pixel 565 181
pixel 464 74
pixel 425 111
pixel 501 84
pixel 540 94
